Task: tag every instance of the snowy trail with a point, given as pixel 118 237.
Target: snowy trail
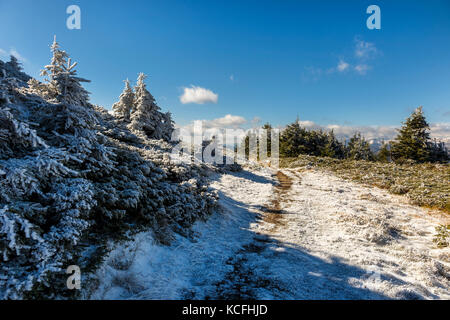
pixel 313 236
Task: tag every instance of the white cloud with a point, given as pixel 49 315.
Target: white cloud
pixel 369 132
pixel 342 66
pixel 232 77
pixel 256 121
pixel 440 131
pixel 198 95
pixel 344 132
pixel 17 55
pixel 12 52
pixel 312 74
pixel 362 68
pixel 365 50
pixel 229 121
pixel 213 127
pixel 308 124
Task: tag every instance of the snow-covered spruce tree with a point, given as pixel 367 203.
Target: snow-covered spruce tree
pixel 50 148
pixel 359 149
pixel 71 179
pixel 146 116
pixel 44 196
pixel 68 120
pixel 13 69
pixel 167 127
pixel 14 63
pixel 16 137
pixel 122 108
pixel 63 85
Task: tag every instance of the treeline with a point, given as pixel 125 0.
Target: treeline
pixel 413 142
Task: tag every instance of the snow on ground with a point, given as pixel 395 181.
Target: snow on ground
pixel 314 236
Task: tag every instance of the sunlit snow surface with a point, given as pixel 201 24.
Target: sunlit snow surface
pixel 333 240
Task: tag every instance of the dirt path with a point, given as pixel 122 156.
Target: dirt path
pixel 241 281
pixel 321 237
pixel 273 213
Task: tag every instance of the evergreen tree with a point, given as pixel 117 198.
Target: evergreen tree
pixel 251 145
pixel 268 129
pixel 145 109
pixel 62 83
pixel 146 116
pixel 56 66
pixel 13 68
pixel 359 149
pixel 332 147
pixel 412 141
pixel 14 64
pixel 296 140
pixel 438 152
pixel 71 178
pixel 292 140
pixel 255 137
pixel 167 126
pixel 384 154
pixel 123 107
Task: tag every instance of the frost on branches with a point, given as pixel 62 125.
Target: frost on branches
pixel 62 83
pixel 73 177
pixel 122 108
pixel 139 110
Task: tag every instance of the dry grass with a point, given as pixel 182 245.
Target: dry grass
pixel 424 184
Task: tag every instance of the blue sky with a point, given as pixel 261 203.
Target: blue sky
pixel 268 59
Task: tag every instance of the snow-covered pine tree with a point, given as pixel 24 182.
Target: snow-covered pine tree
pixel 14 64
pixel 122 108
pixel 66 118
pixel 13 69
pixel 146 116
pixel 359 149
pixel 62 83
pixel 167 127
pixel 71 178
pixel 34 181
